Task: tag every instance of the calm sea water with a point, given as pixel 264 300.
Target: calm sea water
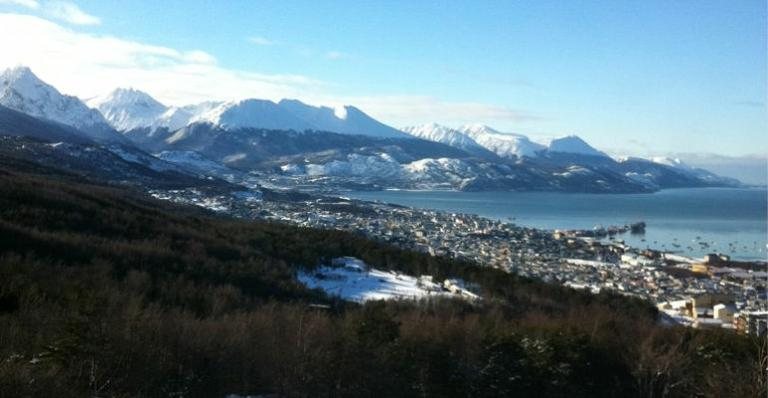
pixel 730 221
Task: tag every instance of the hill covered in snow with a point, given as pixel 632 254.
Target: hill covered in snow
pixel 23 91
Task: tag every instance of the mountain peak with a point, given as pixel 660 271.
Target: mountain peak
pixel 483 129
pixel 19 72
pixel 502 144
pixel 22 80
pixel 427 127
pixel 127 108
pixel 446 135
pixel 253 113
pixel 573 144
pixel 23 91
pixel 125 96
pixel 478 128
pixel 344 119
pixel 131 94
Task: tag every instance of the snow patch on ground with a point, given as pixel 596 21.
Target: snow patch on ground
pixel 353 280
pixel 152 162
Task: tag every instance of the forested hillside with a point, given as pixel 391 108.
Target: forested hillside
pixel 105 292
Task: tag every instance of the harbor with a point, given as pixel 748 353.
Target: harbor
pixel 567 257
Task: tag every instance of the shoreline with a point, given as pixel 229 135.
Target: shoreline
pixel 656 276
pixel 690 235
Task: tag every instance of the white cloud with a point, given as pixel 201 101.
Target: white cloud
pixel 33 4
pixel 199 57
pixel 88 65
pixel 69 12
pixel 58 9
pixel 260 41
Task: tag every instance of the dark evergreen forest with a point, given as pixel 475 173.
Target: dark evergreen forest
pixel 105 292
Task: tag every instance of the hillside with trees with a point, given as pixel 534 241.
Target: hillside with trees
pixel 106 292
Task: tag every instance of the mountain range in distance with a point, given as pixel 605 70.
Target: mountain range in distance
pixel 290 143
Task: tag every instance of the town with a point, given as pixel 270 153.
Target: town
pixel 710 292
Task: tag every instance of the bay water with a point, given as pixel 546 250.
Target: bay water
pixel 690 221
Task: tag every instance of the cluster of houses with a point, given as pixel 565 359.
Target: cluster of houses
pixel 572 258
pixel 716 311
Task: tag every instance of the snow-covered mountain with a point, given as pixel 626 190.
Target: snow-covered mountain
pixel 506 145
pixel 671 162
pixel 253 113
pixel 18 124
pixel 22 91
pixel 177 117
pixel 294 141
pixel 298 116
pixel 127 109
pixel 379 165
pixel 343 120
pixel 472 138
pixel 574 145
pixel 454 172
pixel 701 174
pixel 116 163
pixel 502 144
pixel 442 134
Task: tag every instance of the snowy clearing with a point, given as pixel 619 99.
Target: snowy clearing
pixel 353 280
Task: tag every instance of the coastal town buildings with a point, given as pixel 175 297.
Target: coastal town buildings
pixel 706 293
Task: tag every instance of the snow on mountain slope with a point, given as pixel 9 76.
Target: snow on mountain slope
pixel 442 134
pixel 440 170
pixel 193 161
pixel 381 165
pixel 701 174
pixel 343 120
pixel 177 117
pixel 22 91
pixel 134 155
pixel 322 117
pixel 503 144
pixel 671 162
pixel 573 144
pixel 173 118
pixel 15 123
pixel 128 109
pixel 253 113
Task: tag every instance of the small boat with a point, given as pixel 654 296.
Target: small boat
pixel 637 228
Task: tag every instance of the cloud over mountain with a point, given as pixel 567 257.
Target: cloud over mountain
pixel 87 64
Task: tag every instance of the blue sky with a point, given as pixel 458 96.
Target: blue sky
pixel 632 77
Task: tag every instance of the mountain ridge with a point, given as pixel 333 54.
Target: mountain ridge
pixel 327 148
pixel 23 91
pixel 130 109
